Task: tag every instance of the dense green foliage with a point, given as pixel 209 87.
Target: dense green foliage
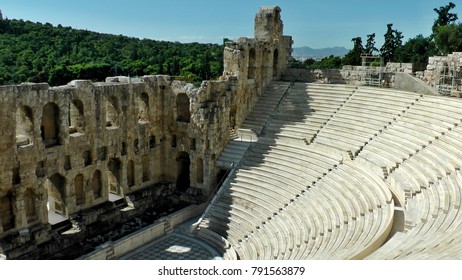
pixel 35 52
pixel 449 38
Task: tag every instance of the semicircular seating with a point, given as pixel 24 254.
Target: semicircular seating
pixel 311 186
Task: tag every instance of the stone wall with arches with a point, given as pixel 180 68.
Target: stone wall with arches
pixel 84 151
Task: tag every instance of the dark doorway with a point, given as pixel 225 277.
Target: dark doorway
pixel 182 179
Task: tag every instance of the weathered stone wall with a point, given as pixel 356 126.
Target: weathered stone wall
pixel 347 75
pixel 443 73
pixel 102 153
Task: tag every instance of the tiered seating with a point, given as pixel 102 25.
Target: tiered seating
pixel 348 213
pixel 305 110
pixel 311 187
pixel 253 124
pixel 419 127
pixel 365 115
pixel 436 226
pixel 264 107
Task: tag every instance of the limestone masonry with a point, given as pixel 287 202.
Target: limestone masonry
pixel 79 158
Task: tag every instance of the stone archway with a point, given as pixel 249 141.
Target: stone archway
pixel 24 126
pixel 182 107
pixel 6 212
pixel 50 125
pixel 143 108
pixel 183 166
pixel 114 168
pixel 76 117
pixel 56 187
pixel 97 184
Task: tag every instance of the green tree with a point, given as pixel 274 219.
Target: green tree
pixel 353 57
pixel 444 16
pixel 370 44
pixel 392 43
pixel 417 50
pixel 449 38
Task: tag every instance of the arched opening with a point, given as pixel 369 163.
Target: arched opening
pixel 76 119
pixel 252 64
pixel 199 171
pixel 50 125
pixel 182 108
pixel 275 63
pixel 24 126
pixel 87 158
pixel 143 108
pixel 113 176
pixel 56 187
pixel 79 190
pixel 145 164
pixel 130 173
pixel 6 212
pixel 29 203
pixel 112 112
pixel 183 163
pixel 97 184
pixel 265 71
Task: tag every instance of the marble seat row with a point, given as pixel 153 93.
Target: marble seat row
pixel 436 226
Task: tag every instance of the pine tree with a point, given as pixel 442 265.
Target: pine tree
pixel 393 41
pixel 370 44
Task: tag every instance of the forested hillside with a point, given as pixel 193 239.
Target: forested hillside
pixel 35 52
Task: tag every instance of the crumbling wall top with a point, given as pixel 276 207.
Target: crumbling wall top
pixel 268 24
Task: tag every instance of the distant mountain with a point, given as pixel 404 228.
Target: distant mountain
pixel 307 52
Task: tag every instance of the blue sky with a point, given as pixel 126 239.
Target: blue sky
pixel 317 24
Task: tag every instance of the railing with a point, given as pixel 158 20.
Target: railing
pixel 216 193
pixel 219 189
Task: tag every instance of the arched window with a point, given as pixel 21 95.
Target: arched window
pixel 275 63
pixel 56 187
pixel 113 175
pixel 79 190
pixel 6 212
pixel 50 125
pixel 130 173
pixel 29 201
pixel 143 108
pixel 182 108
pixel 112 112
pixel 24 126
pixel 76 119
pixel 199 170
pixel 97 184
pixel 252 64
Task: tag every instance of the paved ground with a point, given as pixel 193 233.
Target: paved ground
pixel 174 246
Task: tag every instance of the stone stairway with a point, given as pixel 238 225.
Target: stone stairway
pixel 262 111
pixel 233 153
pixel 253 125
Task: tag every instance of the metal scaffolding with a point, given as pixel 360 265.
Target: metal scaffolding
pixel 372 75
pixel 447 80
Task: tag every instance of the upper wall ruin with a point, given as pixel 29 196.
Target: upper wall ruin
pixel 82 151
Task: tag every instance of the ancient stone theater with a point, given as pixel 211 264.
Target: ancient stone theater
pixel 267 162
